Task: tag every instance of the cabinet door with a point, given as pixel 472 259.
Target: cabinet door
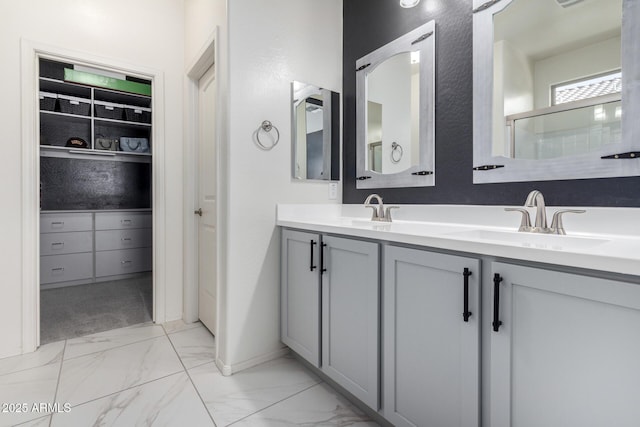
pixel 566 353
pixel 300 294
pixel 431 354
pixel 350 331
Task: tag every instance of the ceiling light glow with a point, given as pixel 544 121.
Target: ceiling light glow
pixel 409 3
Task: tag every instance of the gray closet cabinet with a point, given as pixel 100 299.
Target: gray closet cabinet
pixel 300 294
pixel 564 349
pixel 431 348
pixel 87 247
pixel 330 308
pixel 350 316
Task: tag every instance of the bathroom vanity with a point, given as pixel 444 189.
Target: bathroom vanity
pixel 449 316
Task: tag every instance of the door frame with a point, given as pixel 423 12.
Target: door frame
pixel 207 56
pixel 31 51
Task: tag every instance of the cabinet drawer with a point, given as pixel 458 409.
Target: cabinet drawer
pixel 109 263
pixel 54 223
pixel 64 268
pixel 107 240
pixel 66 243
pixel 122 220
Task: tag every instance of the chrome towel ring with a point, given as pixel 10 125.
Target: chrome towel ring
pixel 396 152
pixel 266 128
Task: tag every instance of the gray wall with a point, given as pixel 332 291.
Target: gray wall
pixel 369 24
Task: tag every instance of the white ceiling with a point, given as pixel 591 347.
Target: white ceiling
pixel 543 28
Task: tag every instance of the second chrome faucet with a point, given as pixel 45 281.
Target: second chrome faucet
pixel 536 199
pixel 379 211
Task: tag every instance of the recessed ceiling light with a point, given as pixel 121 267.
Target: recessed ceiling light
pixel 409 3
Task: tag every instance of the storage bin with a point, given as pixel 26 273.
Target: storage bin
pixel 108 110
pixel 48 101
pixel 137 114
pixel 134 145
pixel 73 105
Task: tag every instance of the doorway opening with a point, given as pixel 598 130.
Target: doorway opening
pixel 96 145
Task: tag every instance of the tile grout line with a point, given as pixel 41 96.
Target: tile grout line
pixel 125 389
pixel 117 346
pixel 55 395
pixel 275 403
pixel 191 379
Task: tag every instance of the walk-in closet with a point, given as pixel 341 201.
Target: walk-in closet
pixel 95 200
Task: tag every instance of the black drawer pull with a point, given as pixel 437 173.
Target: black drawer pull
pixel 466 314
pixel 57 223
pixel 496 302
pixel 125 262
pixel 126 221
pixel 60 269
pixel 126 239
pixel 311 266
pixel 322 269
pixel 57 244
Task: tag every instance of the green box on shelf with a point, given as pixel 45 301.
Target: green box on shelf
pixel 90 79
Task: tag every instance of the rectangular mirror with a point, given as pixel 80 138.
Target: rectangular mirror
pixel 555 89
pixel 395 112
pixel 316 133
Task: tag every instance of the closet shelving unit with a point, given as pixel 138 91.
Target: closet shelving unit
pixel 56 127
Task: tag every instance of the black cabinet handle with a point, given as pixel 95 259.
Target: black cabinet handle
pixel 311 266
pixel 466 314
pixel 496 302
pixel 322 269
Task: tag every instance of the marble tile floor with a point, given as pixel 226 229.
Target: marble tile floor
pixel 161 375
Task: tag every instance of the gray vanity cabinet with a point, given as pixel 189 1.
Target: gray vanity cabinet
pixel 330 308
pixel 431 348
pixel 350 316
pixel 300 294
pixel 563 349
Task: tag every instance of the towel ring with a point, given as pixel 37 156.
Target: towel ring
pixel 396 152
pixel 266 127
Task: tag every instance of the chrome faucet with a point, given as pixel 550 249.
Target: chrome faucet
pixel 536 199
pixel 379 212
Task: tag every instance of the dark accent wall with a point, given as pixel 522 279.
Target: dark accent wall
pixel 76 184
pixel 369 24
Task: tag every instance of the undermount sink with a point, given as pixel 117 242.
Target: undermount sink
pixel 534 240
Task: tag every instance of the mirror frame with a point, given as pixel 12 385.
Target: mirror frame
pixel 330 130
pixel 422 175
pixel 490 169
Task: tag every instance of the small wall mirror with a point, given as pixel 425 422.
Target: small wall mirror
pixel 395 112
pixel 316 133
pixel 556 89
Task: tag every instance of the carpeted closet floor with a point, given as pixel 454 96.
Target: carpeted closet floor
pixel 75 311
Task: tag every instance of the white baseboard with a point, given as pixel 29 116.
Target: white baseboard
pixel 241 366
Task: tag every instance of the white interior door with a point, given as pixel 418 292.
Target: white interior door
pixel 207 202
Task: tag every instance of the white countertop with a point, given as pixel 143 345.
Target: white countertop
pixel 605 239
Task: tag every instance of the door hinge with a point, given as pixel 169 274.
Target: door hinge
pixel 422 37
pixel 487 167
pixel 486 5
pixel 629 155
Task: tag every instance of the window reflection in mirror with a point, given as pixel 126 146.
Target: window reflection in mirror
pixel 315 131
pixel 556 75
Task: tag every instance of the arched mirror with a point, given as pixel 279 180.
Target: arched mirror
pixel 556 89
pixel 316 133
pixel 395 112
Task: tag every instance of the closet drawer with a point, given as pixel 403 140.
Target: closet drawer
pixel 54 223
pixel 109 263
pixel 122 220
pixel 64 268
pixel 107 240
pixel 66 243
